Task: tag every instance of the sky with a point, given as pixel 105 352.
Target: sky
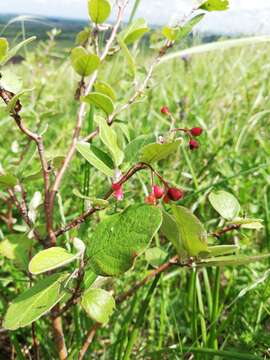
pixel 244 16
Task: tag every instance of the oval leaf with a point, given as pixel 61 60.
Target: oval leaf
pixel 134 31
pixel 99 304
pixel 16 248
pixel 192 232
pixel 96 157
pixel 215 5
pixel 106 89
pixel 99 10
pixel 50 259
pixel 120 238
pixel 8 181
pixel 222 250
pixel 225 204
pixel 35 302
pixel 232 260
pixel 100 100
pixel 156 152
pixel 109 138
pixel 83 63
pixel 170 230
pixel 4 45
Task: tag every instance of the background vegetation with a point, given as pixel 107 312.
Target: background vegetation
pixel 226 93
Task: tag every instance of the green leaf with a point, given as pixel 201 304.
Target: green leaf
pixel 232 260
pixel 155 256
pixel 246 223
pixel 156 152
pixel 134 31
pixel 12 103
pixel 109 138
pixel 170 33
pixel 50 259
pixel 11 82
pixel 8 181
pixel 120 238
pixel 4 46
pixel 192 232
pixel 83 36
pixel 100 100
pixel 16 248
pixel 215 5
pixel 96 157
pixel 222 249
pixel 170 230
pixel 129 58
pixel 106 89
pixel 133 149
pixel 35 302
pixel 99 10
pixel 12 52
pixel 188 27
pixel 225 204
pixel 99 304
pixel 94 201
pixel 83 62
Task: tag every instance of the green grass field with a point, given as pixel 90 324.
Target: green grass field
pixel 211 313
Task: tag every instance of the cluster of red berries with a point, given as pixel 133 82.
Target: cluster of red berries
pixel 194 132
pixel 158 193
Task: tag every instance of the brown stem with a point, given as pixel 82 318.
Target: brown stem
pixel 59 338
pixel 81 219
pixel 89 338
pixel 23 212
pixel 228 228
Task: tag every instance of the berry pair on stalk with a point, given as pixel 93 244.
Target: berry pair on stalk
pixel 166 194
pixel 194 132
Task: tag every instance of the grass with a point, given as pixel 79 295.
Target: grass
pixel 213 314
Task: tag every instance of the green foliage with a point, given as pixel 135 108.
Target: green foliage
pixel 101 101
pixel 16 248
pixel 50 259
pixel 96 157
pixel 99 10
pixel 35 302
pixel 215 5
pixel 109 138
pixel 155 152
pixel 99 304
pixel 155 256
pixel 170 230
pixel 83 63
pixel 134 31
pixel 192 232
pixel 4 46
pixel 8 181
pixel 120 238
pixel 225 204
pixel 106 89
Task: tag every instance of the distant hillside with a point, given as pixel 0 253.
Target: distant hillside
pixel 39 26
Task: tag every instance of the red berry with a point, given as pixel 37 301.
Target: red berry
pixel 193 144
pixel 197 131
pixel 150 200
pixel 158 191
pixel 166 199
pixel 119 195
pixel 165 110
pixel 175 194
pixel 116 186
